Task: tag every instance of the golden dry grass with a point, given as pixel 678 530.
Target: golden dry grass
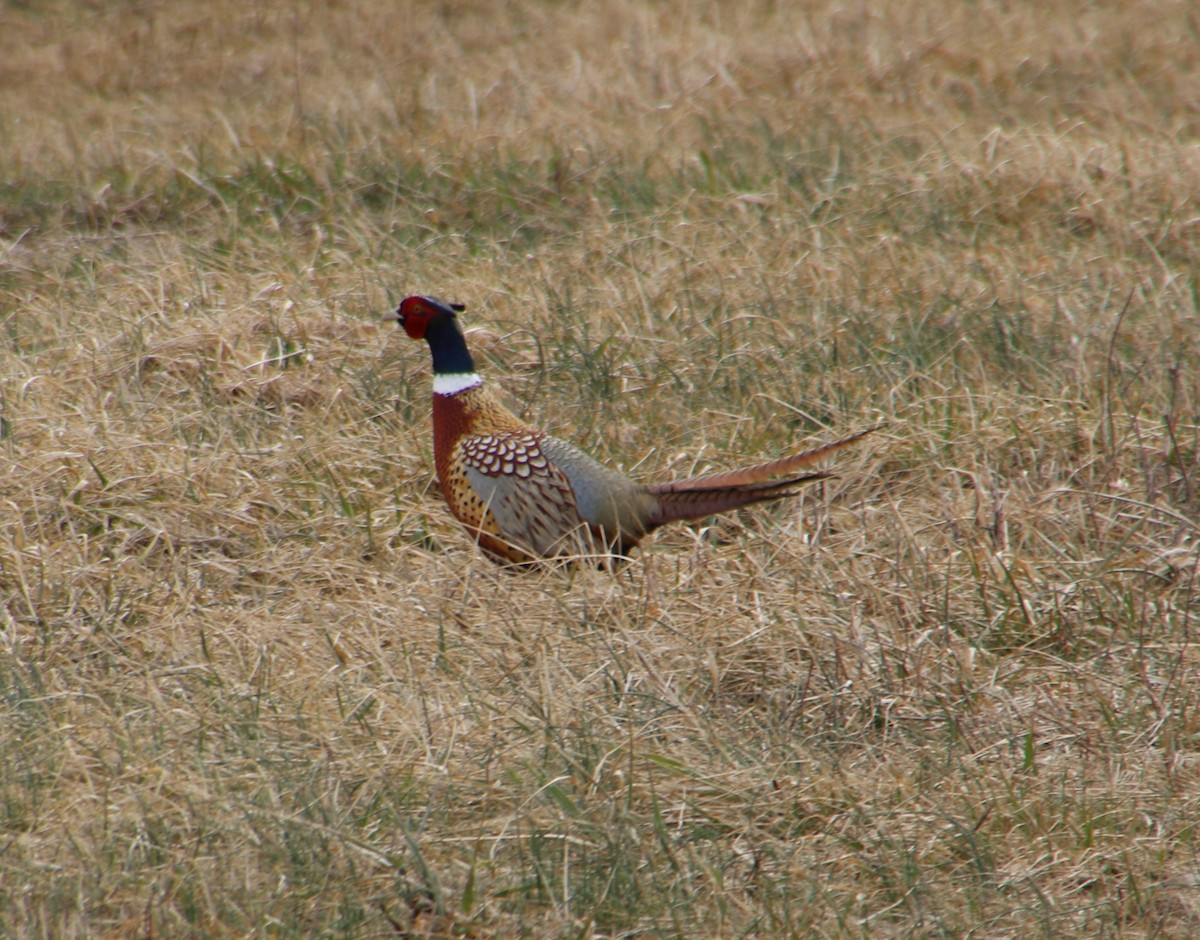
pixel 256 682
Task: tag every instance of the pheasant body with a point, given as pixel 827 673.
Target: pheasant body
pixel 526 496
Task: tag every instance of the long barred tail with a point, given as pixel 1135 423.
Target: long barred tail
pixel 698 503
pixel 712 493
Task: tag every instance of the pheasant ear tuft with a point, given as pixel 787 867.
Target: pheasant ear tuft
pixel 457 308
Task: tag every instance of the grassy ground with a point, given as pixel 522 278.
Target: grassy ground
pixel 255 682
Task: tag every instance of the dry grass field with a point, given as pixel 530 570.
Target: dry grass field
pixel 255 681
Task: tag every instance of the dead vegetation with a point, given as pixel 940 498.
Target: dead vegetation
pixel 254 680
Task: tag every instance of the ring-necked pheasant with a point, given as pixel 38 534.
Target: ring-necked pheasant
pixel 526 496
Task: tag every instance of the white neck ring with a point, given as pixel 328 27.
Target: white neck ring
pixel 455 382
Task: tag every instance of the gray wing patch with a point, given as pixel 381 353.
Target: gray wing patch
pixel 608 500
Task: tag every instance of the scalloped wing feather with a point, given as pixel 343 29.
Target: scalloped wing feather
pixel 529 498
